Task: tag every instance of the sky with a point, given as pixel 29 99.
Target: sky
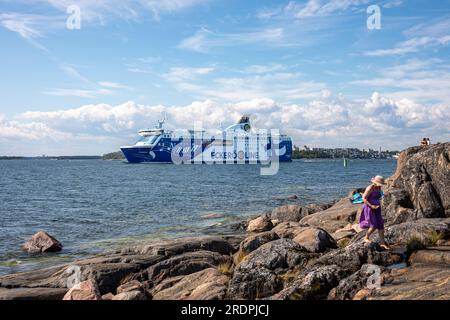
pixel 317 70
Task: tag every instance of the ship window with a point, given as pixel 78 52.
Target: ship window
pixel 148 140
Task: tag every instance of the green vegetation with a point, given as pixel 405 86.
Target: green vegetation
pixel 418 243
pixel 11 158
pixel 225 268
pixel 239 257
pixel 114 156
pixel 308 154
pixel 414 244
pixel 288 276
pixel 349 153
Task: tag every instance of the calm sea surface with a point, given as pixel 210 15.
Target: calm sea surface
pixel 95 205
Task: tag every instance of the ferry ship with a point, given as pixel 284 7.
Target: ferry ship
pixel 238 143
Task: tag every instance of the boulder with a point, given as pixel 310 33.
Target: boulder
pixel 260 224
pixel 351 285
pixel 208 284
pixel 239 226
pixel 288 229
pixel 132 285
pixel 316 207
pixel 294 213
pixel 108 296
pixel 168 248
pixel 108 276
pixel 130 295
pixel 422 229
pixel 257 276
pixel 253 242
pixel 292 197
pixel 287 213
pixel 431 255
pixel 86 290
pixel 42 242
pixel 336 217
pixel 315 240
pixel 420 187
pixel 313 284
pixel 362 294
pixel 32 293
pixel 185 264
pixel 352 257
pixel 339 235
pixel 419 282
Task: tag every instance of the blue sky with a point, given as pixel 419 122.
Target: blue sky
pixel 311 68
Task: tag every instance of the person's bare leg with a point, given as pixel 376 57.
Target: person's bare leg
pixel 383 244
pixel 368 234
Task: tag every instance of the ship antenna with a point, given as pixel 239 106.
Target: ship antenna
pixel 162 121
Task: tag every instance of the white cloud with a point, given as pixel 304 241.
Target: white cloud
pixel 30 26
pixel 204 40
pixel 425 81
pixel 21 24
pixel 82 93
pixel 113 85
pixel 100 11
pixel 410 46
pixel 178 74
pixel 327 121
pixel 255 84
pixel 392 4
pixel 258 69
pixel 312 8
pixel 435 28
pixel 71 71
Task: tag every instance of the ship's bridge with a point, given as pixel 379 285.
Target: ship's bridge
pixel 150 137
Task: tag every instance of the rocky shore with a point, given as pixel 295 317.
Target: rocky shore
pixel 289 252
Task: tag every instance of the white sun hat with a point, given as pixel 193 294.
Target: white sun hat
pixel 378 181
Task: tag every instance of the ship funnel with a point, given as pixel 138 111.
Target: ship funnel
pixel 243 124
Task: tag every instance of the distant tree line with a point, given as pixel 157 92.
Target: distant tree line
pixel 351 153
pixel 114 156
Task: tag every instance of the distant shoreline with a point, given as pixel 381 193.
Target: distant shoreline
pixel 113 159
pixel 52 158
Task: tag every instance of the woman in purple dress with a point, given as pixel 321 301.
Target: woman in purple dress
pixel 371 217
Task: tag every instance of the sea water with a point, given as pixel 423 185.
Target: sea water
pixel 94 205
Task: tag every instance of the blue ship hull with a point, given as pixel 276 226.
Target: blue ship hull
pixel 162 153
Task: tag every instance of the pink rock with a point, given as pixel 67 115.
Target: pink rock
pixel 42 242
pixel 86 290
pixel 132 285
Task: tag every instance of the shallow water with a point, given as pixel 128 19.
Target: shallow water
pixel 93 205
